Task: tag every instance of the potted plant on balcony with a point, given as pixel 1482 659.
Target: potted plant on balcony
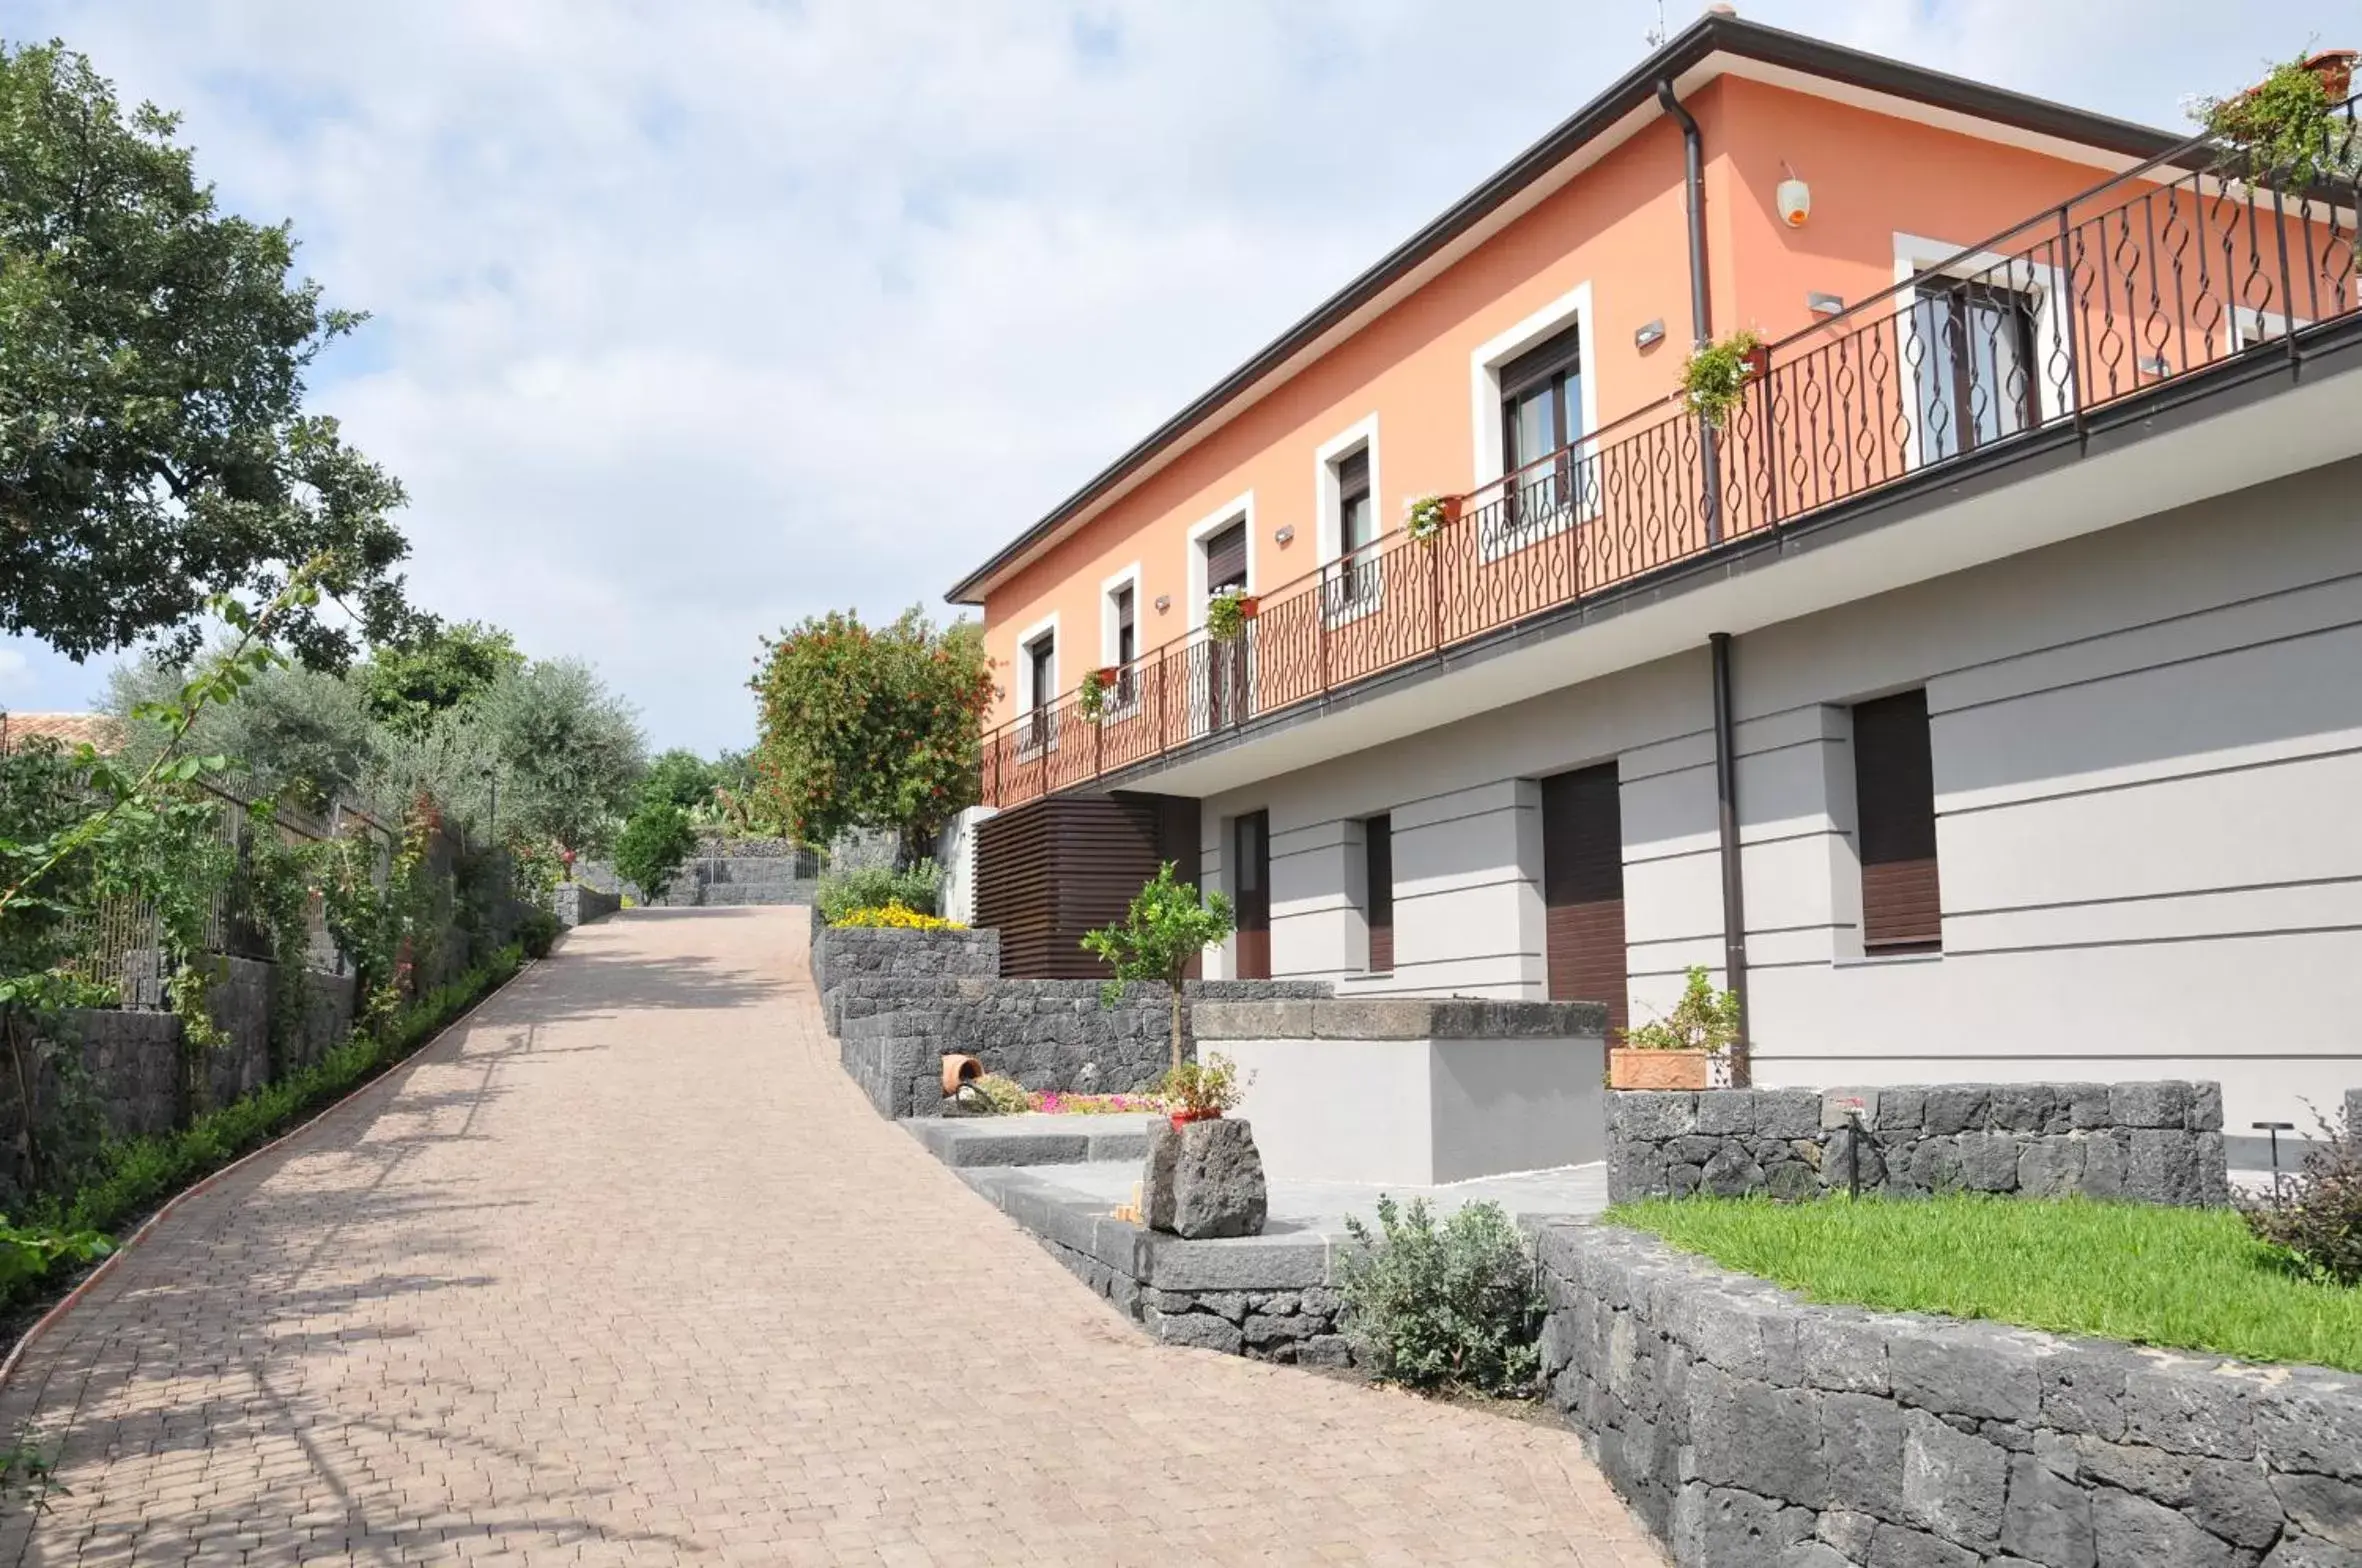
pixel 1227 615
pixel 1678 1051
pixel 2285 127
pixel 1429 515
pixel 1091 697
pixel 1715 375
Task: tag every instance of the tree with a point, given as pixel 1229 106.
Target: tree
pixel 866 728
pixel 682 777
pixel 303 734
pixel 654 845
pixel 566 751
pixel 1164 930
pixel 433 668
pixel 154 450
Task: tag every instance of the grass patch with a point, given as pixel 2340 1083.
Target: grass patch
pixel 2190 1279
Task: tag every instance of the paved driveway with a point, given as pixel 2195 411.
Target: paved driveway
pixel 625 1271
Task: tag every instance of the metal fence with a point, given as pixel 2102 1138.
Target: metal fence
pixel 2182 263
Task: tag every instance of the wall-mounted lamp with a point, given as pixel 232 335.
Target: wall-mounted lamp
pixel 1164 602
pixel 1284 535
pixel 1794 198
pixel 1649 333
pixel 1825 304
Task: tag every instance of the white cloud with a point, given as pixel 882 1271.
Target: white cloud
pixel 691 319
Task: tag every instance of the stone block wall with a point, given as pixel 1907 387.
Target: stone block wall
pixel 2155 1142
pixel 578 903
pixel 1747 1427
pixel 883 966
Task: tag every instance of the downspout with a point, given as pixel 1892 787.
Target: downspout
pixel 1734 902
pixel 1693 150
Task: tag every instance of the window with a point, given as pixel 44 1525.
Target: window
pixel 1972 348
pixel 1541 416
pixel 1127 642
pixel 1041 666
pixel 1378 848
pixel 1226 559
pixel 1894 793
pixel 1225 663
pixel 1357 530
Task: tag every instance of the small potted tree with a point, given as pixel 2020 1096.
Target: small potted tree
pixel 1202 1091
pixel 1167 926
pixel 1678 1051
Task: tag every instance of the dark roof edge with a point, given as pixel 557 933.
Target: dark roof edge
pixel 1711 34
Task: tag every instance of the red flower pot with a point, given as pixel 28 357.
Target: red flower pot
pixel 1182 1119
pixel 1248 604
pixel 1758 361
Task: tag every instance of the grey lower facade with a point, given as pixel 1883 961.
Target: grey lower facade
pixel 1750 1428
pixel 2156 1142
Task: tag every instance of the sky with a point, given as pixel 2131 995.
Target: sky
pixel 690 318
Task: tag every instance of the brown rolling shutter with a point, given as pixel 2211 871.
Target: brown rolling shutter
pixel 1378 839
pixel 1226 558
pixel 1583 889
pixel 1895 798
pixel 1251 857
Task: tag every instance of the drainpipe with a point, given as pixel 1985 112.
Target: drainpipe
pixel 1734 903
pixel 1693 150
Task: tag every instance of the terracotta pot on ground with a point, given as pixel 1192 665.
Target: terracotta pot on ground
pixel 958 1070
pixel 1631 1069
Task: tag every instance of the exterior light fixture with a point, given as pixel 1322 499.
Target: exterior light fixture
pixel 1825 304
pixel 1794 198
pixel 1285 535
pixel 1649 334
pixel 1164 602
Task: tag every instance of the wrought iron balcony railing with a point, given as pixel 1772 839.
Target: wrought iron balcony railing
pixel 2182 263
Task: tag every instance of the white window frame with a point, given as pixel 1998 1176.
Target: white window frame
pixel 1242 508
pixel 1129 577
pixel 1573 308
pixel 1328 506
pixel 1026 695
pixel 2271 327
pixel 1916 254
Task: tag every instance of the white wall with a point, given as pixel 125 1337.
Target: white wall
pixel 955 852
pixel 2148 762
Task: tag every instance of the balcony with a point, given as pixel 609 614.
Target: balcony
pixel 2139 285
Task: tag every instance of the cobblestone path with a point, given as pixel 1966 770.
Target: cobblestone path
pixel 624 1270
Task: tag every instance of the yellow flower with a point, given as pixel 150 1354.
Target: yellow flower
pixel 895 916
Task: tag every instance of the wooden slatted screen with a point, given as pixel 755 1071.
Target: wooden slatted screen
pixel 1583 889
pixel 1895 798
pixel 1049 871
pixel 1378 841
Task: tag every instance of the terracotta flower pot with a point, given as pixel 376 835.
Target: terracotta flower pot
pixel 1757 360
pixel 1451 508
pixel 1631 1069
pixel 2335 68
pixel 958 1070
pixel 1182 1119
pixel 1109 674
pixel 1248 605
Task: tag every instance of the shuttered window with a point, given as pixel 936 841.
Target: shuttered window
pixel 1895 796
pixel 1583 889
pixel 1226 558
pixel 1378 845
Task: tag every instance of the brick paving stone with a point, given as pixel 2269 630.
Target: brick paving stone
pixel 625 1271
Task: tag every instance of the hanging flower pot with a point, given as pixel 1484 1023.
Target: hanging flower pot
pixel 1430 515
pixel 1717 374
pixel 1226 616
pixel 1757 361
pixel 1248 606
pixel 2335 69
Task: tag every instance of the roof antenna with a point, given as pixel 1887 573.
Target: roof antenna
pixel 1656 35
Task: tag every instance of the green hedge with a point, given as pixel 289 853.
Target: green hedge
pixel 137 1174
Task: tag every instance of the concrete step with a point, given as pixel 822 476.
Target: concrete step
pixel 1031 1139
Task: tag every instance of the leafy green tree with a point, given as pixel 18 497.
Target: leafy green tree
pixel 154 450
pixel 563 750
pixel 871 728
pixel 1164 930
pixel 654 845
pixel 433 668
pixel 682 777
pixel 306 735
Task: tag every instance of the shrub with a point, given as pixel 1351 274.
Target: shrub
pixel 1703 1020
pixel 538 932
pixel 656 842
pixel 2316 1224
pixel 874 887
pixel 895 917
pixel 1442 1307
pixel 1007 1095
pixel 1204 1088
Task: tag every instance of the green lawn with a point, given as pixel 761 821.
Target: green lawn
pixel 2189 1278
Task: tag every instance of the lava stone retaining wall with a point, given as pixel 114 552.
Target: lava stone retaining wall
pixel 130 1058
pixel 1043 1033
pixel 2156 1142
pixel 577 903
pixel 860 971
pixel 1747 1427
